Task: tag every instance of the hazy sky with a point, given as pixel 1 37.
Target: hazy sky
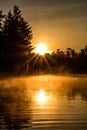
pixel 59 23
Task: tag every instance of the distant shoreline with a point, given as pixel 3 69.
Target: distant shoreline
pixel 7 76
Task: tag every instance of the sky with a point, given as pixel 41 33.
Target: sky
pixel 57 23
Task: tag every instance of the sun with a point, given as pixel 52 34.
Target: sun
pixel 41 49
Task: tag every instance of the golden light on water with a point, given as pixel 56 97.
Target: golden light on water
pixel 45 100
pixel 41 49
pixel 41 97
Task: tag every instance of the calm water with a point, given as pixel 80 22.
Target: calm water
pixel 43 103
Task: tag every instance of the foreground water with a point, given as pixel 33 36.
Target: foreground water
pixel 43 103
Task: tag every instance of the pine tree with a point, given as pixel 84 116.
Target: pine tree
pixel 1 19
pixel 1 27
pixel 17 34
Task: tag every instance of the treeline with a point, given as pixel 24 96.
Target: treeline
pixel 16 56
pixel 61 62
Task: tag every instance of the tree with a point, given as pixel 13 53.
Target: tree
pixel 17 33
pixel 70 52
pixel 1 19
pixel 17 36
pixel 1 26
pixel 85 49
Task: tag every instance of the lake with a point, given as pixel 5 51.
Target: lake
pixel 44 102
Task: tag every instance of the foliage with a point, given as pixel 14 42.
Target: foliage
pixel 60 62
pixel 1 26
pixel 16 39
pixel 17 33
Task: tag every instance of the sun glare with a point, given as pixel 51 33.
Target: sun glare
pixel 41 49
pixel 41 97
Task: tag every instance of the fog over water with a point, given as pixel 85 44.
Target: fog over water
pixel 43 102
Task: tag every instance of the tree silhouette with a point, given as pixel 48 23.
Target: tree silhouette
pixel 1 19
pixel 85 49
pixel 17 34
pixel 1 27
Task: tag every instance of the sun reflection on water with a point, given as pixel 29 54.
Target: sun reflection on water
pixel 41 97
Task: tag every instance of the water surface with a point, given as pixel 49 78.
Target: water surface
pixel 43 103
